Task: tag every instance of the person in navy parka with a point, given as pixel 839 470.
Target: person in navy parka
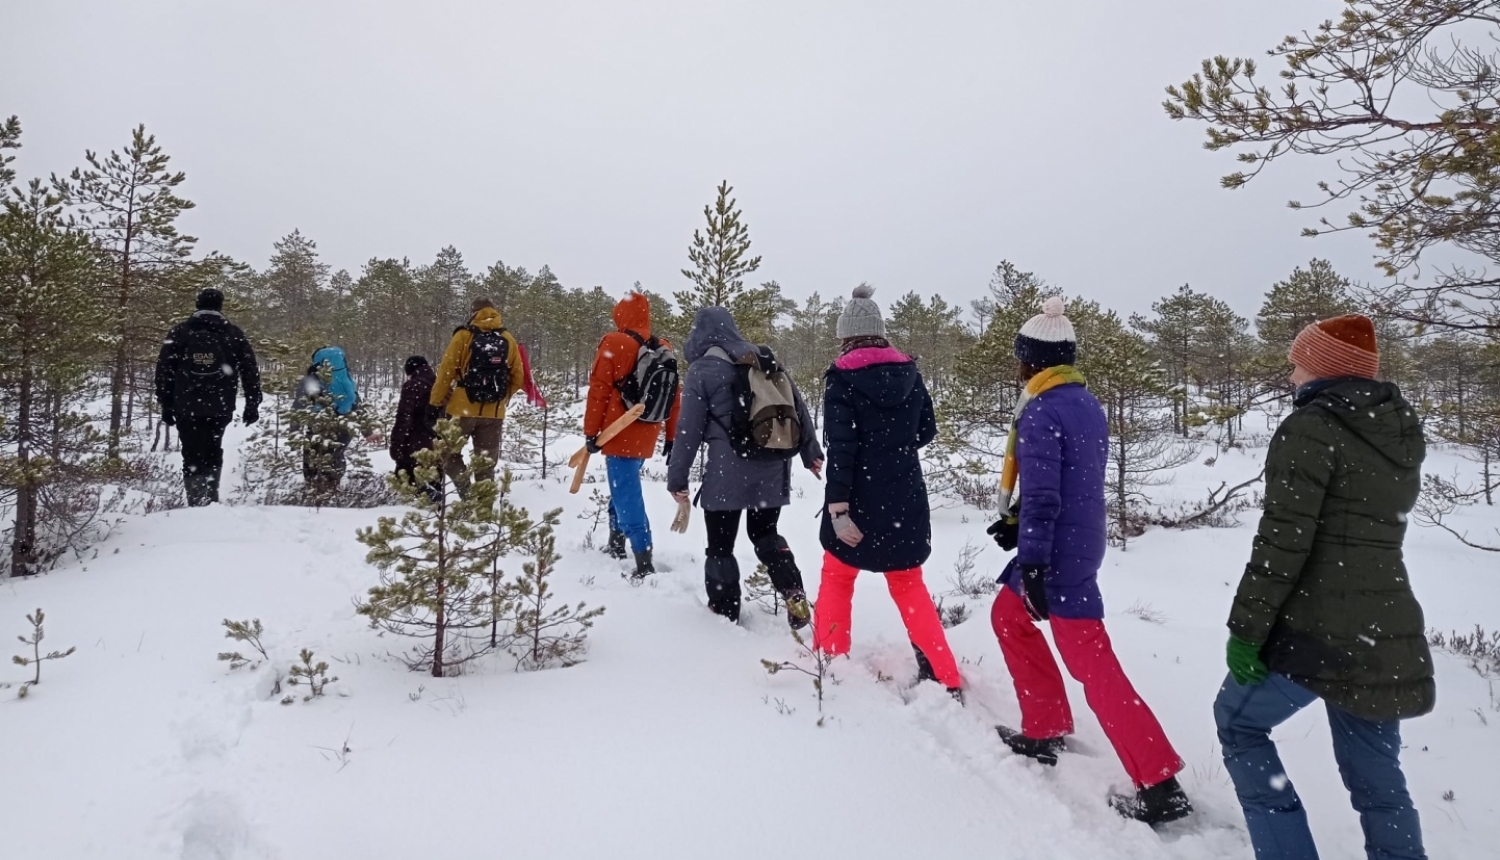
pixel 1059 448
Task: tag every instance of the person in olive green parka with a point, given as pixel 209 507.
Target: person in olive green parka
pixel 1325 609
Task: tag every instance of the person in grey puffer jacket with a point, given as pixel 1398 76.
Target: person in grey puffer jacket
pixel 732 483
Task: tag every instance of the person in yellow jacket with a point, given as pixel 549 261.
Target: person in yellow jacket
pixel 475 392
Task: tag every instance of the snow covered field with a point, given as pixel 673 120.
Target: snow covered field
pixel 671 741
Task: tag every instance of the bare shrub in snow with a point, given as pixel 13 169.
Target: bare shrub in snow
pixel 817 671
pixel 37 658
pixel 1481 649
pixel 952 616
pixel 596 513
pixel 966 581
pixel 1219 510
pixel 1147 613
pixel 1440 498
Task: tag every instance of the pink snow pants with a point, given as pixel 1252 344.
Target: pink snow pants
pixel 835 598
pixel 1084 646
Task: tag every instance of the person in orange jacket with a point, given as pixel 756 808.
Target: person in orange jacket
pixel 475 393
pixel 616 365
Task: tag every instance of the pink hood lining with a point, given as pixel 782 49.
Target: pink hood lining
pixel 861 358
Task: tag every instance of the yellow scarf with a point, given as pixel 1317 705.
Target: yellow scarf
pixel 1063 374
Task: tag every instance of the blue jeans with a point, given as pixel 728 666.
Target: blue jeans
pixel 1367 753
pixel 625 497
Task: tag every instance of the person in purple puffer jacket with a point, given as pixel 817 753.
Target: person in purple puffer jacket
pixel 1059 448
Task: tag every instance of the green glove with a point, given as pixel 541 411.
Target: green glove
pixel 1244 661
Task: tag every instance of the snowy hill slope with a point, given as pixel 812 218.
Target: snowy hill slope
pixel 671 740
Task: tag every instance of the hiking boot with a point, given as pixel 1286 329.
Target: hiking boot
pixel 1154 804
pixel 924 666
pixel 721 579
pixel 798 610
pixel 643 566
pixel 615 547
pixel 1044 750
pixel 958 695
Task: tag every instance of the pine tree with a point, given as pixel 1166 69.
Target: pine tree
pixel 293 300
pixel 543 635
pixel 440 579
pixel 1176 331
pixel 808 344
pixel 10 138
pixel 933 331
pixel 1309 295
pixel 444 286
pixel 718 258
pixel 48 330
pixel 128 202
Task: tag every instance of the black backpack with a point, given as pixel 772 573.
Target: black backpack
pixel 487 377
pixel 652 382
pixel 206 359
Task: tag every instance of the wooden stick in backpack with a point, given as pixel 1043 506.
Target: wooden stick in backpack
pixel 580 459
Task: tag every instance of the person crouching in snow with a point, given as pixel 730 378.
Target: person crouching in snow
pixel 876 415
pixel 1058 447
pixel 740 475
pixel 1325 608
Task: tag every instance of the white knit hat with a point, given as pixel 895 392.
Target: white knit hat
pixel 1047 339
pixel 861 317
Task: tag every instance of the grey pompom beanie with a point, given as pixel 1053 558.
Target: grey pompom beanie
pixel 861 317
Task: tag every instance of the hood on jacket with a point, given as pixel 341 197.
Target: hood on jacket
pixel 633 313
pixel 485 319
pixel 885 375
pixel 1375 412
pixel 715 327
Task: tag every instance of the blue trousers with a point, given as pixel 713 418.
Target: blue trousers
pixel 1367 754
pixel 625 497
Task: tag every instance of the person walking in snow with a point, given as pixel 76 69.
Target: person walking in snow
pixel 197 371
pixel 327 410
pixel 1058 448
pixel 479 372
pixel 742 474
pixel 877 414
pixel 1325 608
pixel 632 365
pixel 415 419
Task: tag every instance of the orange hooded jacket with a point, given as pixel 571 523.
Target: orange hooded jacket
pixel 614 361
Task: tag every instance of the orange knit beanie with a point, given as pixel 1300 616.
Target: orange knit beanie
pixel 1342 346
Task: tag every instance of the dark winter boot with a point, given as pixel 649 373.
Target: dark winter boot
pixel 924 666
pixel 643 566
pixel 213 484
pixel 615 548
pixel 721 577
pixel 786 578
pixel 1044 750
pixel 1154 804
pixel 199 488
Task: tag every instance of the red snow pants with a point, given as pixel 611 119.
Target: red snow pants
pixel 1084 646
pixel 833 607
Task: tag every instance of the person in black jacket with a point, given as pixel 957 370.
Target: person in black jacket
pixel 415 419
pixel 877 414
pixel 200 363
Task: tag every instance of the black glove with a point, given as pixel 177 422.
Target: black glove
pixel 1034 585
pixel 590 445
pixel 1006 531
pixel 666 449
pixel 252 413
pixel 168 417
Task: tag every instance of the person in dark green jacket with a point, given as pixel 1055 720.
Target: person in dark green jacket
pixel 1325 608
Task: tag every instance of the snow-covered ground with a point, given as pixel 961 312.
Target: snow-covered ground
pixel 671 741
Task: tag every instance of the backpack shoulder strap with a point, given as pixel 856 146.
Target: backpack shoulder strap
pixel 638 339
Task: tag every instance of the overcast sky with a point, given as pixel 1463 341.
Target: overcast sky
pixel 912 145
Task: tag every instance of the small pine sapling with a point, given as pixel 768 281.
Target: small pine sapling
pixel 819 671
pixel 437 562
pixel 37 657
pixel 597 512
pixel 547 637
pixel 760 591
pixel 314 675
pixel 244 631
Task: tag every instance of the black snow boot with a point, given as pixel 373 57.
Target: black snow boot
pixel 199 487
pixel 1044 750
pixel 643 566
pixel 721 577
pixel 1154 804
pixel 786 578
pixel 615 548
pixel 924 666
